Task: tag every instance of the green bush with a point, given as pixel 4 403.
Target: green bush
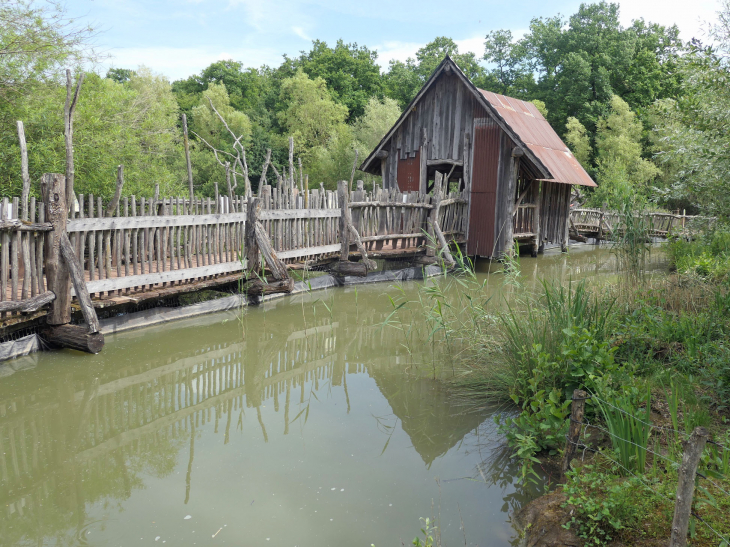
pixel 601 505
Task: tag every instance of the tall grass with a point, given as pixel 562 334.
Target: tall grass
pixel 526 334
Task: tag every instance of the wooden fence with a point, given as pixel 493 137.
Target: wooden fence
pixel 152 243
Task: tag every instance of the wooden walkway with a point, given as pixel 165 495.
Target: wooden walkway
pixel 166 246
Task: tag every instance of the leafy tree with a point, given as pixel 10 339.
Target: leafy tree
pixel 578 141
pixel 622 172
pixel 132 123
pixel 692 131
pixel 379 117
pixel 120 75
pixel 510 75
pixel 404 79
pixel 350 72
pixel 308 112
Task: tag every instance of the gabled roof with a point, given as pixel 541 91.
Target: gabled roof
pixel 520 120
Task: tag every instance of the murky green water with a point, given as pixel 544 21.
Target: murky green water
pixel 302 422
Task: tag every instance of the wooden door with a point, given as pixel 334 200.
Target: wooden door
pixel 485 164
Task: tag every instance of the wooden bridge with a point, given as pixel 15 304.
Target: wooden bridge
pixel 601 224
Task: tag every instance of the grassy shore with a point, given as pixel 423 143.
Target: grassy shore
pixel 653 348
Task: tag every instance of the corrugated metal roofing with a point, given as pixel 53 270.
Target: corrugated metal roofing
pixel 534 130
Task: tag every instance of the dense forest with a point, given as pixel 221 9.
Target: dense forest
pixel 644 111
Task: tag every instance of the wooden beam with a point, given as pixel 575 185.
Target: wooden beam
pixel 381 154
pixel 28 305
pixel 445 161
pixel 131 223
pixel 186 274
pixel 15 224
pixel 285 214
pixel 77 276
pixel 277 267
pixel 253 262
pixel 371 265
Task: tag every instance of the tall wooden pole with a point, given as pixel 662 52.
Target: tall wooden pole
pixel 53 188
pixel 187 157
pixel 72 99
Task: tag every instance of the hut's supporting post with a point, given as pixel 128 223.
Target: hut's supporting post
pixel 566 227
pixel 508 230
pixel 577 411
pixel 536 219
pixel 423 166
pixel 434 214
pixel 693 448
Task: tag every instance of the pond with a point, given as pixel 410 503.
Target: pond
pixel 304 421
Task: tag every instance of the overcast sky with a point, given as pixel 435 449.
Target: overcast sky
pixel 181 37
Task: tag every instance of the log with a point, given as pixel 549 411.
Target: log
pixel 57 274
pixel 345 267
pixel 28 305
pixel 23 226
pixel 577 410
pixel 277 267
pixel 77 276
pixel 442 241
pixel 73 337
pixel 258 287
pixel 370 264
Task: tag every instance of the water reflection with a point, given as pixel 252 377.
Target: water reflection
pixel 249 424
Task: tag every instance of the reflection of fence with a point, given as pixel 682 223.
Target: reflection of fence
pixel 687 469
pixel 133 409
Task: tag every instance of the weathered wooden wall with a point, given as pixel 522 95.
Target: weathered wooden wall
pixel 446 113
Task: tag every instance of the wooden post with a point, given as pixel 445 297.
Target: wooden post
pixel 57 274
pixel 252 248
pixel 693 448
pixel 577 410
pixel 508 230
pixel 536 220
pixel 342 197
pixel 434 214
pixel 187 156
pixel 25 238
pixel 72 100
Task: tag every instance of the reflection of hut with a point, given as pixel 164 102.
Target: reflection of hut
pixel 517 171
pixel 433 422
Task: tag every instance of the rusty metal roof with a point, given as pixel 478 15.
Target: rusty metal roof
pixel 535 131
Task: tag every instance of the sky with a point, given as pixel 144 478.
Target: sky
pixel 179 38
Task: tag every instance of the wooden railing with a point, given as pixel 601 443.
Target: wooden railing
pixel 657 224
pixel 155 243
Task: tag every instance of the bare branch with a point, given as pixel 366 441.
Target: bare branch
pixel 72 99
pixel 112 207
pixel 352 175
pixel 24 169
pixel 265 168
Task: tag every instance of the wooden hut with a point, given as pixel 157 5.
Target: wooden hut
pixel 516 170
